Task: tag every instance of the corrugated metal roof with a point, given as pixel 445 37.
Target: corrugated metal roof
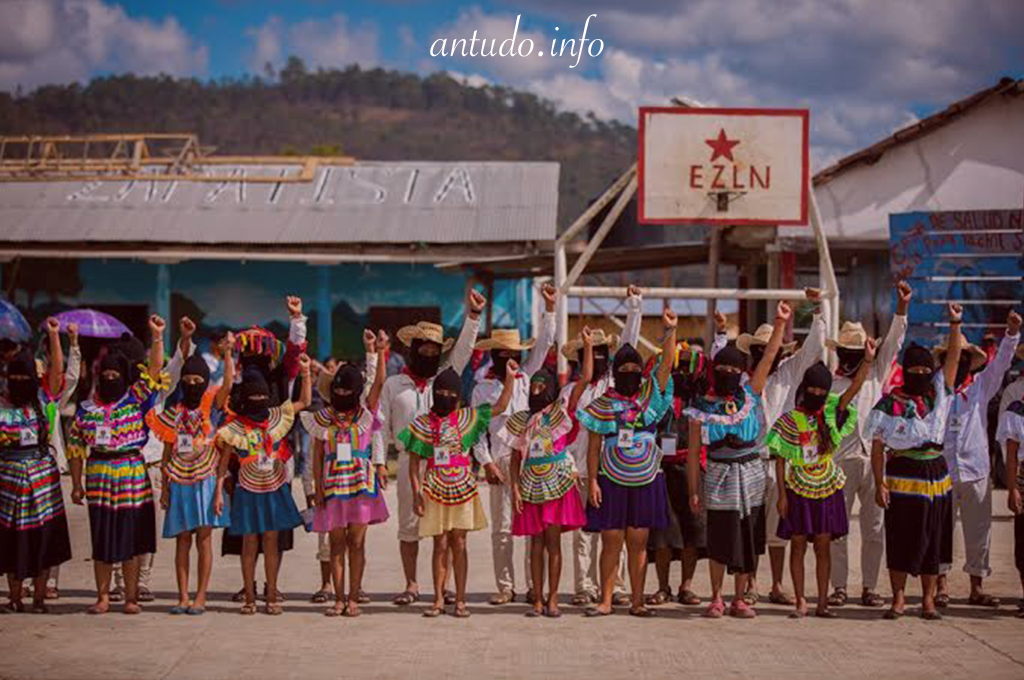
pixel 398 202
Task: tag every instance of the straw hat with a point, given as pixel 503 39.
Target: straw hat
pixel 571 349
pixel 851 336
pixel 760 337
pixel 424 330
pixel 978 356
pixel 504 338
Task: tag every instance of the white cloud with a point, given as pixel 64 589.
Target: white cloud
pixel 470 79
pixel 331 43
pixel 60 41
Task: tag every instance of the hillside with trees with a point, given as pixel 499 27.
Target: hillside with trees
pixel 370 114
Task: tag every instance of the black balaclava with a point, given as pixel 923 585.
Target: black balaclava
pixel 627 383
pixel 259 362
pixel 849 361
pixel 421 365
pixel 192 394
pixel 348 377
pixel 500 359
pixel 111 390
pixel 600 361
pixel 135 352
pixel 541 400
pixel 686 377
pixel 446 380
pixel 817 375
pixel 917 384
pixel 23 391
pixel 727 384
pixel 756 354
pixel 254 385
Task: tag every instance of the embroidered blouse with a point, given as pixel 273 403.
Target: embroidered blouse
pixel 353 445
pixel 795 438
pixel 117 427
pixel 19 427
pixel 446 443
pixel 189 432
pixel 548 472
pixel 912 427
pixel 730 428
pixel 1011 426
pixel 260 448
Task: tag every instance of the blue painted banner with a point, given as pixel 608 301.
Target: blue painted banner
pixel 975 258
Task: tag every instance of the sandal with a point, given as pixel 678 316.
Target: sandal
pixel 52 593
pixel 433 612
pixel 594 612
pixel 839 597
pixel 145 594
pixel 337 609
pixel 752 597
pixel 406 598
pixel 362 597
pixel 552 613
pixel 621 600
pixel 715 610
pixel 497 599
pixel 783 599
pixel 98 609
pixel 248 609
pixel 825 614
pixel 461 611
pixel 662 596
pixel 532 613
pixel 983 600
pixel 892 615
pixel 871 599
pixel 741 610
pixel 132 608
pixel 13 608
pixel 321 596
pixel 239 596
pixel 352 611
pixel 195 611
pixel 117 595
pixel 642 612
pixel 798 614
pixel 581 599
pixel 273 609
pixel 688 597
pixel 40 608
pixel 932 615
pixel 178 610
pixel 280 595
pixel 449 597
pixel 942 600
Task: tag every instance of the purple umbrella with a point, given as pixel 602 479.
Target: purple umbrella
pixel 13 324
pixel 92 324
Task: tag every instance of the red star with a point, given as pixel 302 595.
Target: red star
pixel 721 146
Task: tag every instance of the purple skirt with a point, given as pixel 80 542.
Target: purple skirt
pixel 634 507
pixel 813 517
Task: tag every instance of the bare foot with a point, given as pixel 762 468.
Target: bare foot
pixel 353 608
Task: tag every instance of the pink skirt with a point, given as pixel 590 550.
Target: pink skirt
pixel 340 513
pixel 566 512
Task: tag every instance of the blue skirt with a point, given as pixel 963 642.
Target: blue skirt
pixel 192 507
pixel 257 513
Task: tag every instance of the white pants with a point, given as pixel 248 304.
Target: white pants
pixel 972 505
pixel 771 500
pixel 502 541
pixel 408 522
pixel 586 553
pixel 860 484
pixel 323 547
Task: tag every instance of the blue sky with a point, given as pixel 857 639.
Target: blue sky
pixel 863 67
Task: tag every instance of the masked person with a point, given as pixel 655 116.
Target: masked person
pixel 191 485
pixel 586 546
pixel 912 482
pixel 802 443
pixel 627 496
pixel 778 396
pixel 728 421
pixel 447 500
pixel 262 504
pixel 1010 436
pixel 106 439
pixel 504 345
pixel 350 473
pixel 33 524
pixel 685 537
pixel 409 395
pixel 965 448
pixel 853 455
pixel 544 476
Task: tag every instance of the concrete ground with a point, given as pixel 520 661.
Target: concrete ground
pixel 497 642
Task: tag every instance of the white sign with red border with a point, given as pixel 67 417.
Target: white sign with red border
pixel 754 163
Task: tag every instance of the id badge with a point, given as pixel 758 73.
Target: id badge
pixel 537 449
pixel 668 445
pixel 810 454
pixel 29 436
pixel 265 463
pixel 185 443
pixel 104 435
pixel 626 438
pixel 442 456
pixel 344 452
pixel 955 423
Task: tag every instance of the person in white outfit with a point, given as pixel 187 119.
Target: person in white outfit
pixel 854 453
pixel 779 396
pixel 504 346
pixel 585 546
pixel 965 449
pixel 410 394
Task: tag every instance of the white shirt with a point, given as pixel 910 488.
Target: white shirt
pixel 488 390
pixel 401 402
pixel 1013 392
pixel 630 336
pixel 965 446
pixel 858 444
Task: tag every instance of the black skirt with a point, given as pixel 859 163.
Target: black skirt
pixel 919 520
pixel 1018 543
pixel 736 541
pixel 33 524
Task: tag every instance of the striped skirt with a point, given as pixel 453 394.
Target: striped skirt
pixel 122 517
pixel 734 492
pixel 33 526
pixel 919 520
